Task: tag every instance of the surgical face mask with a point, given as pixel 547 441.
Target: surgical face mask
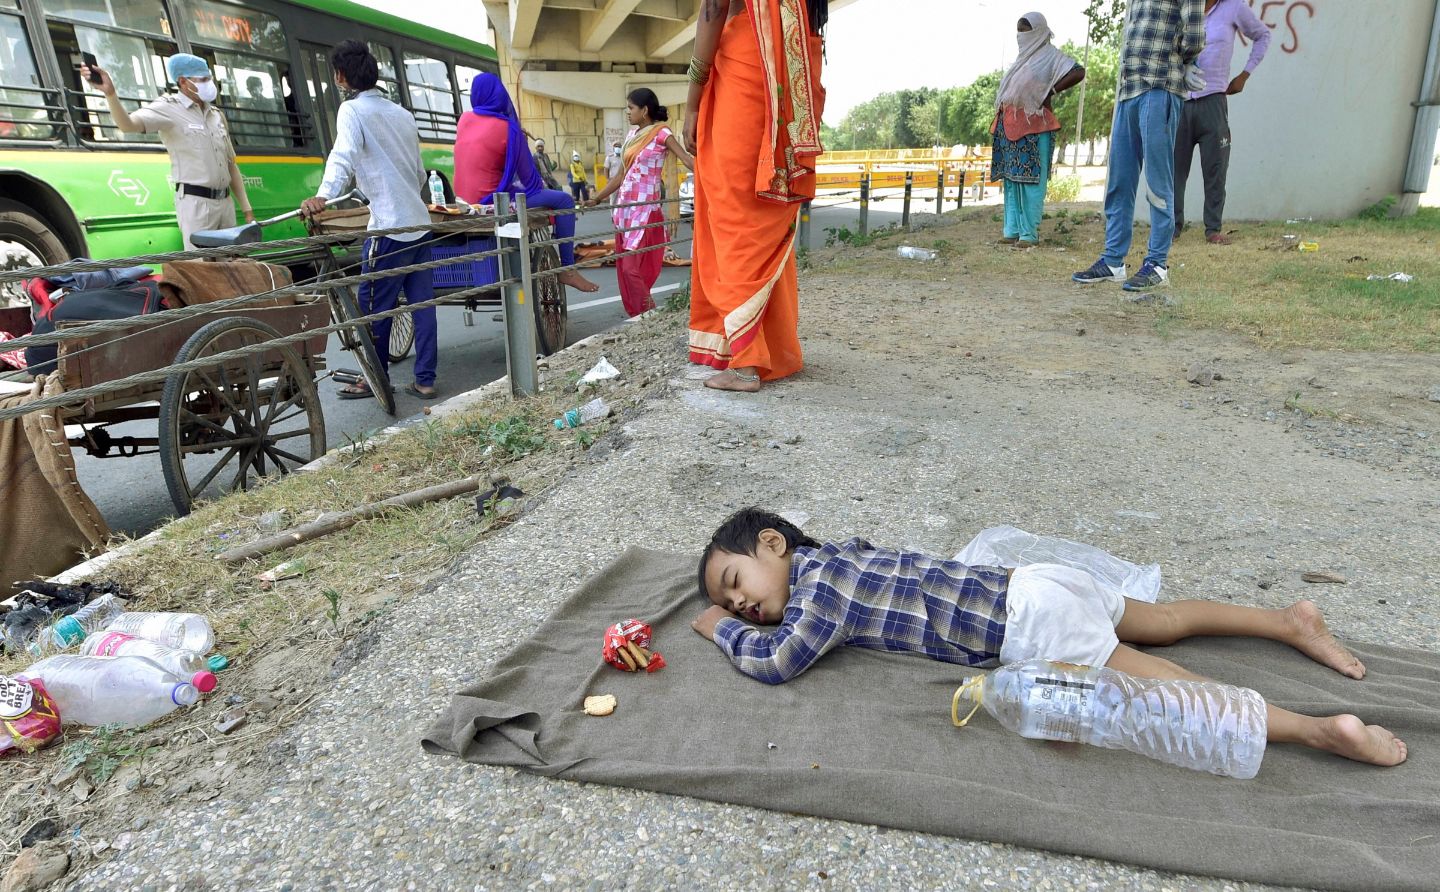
pixel 617 150
pixel 206 90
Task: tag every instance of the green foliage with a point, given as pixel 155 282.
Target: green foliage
pixel 905 119
pixel 967 112
pixel 1063 189
pixel 515 435
pixel 678 301
pixel 1101 77
pixel 1107 20
pixel 102 753
pixel 843 235
pixel 1380 210
pixel 333 613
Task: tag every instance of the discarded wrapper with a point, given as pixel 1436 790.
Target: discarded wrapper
pixel 601 371
pixel 627 645
pixel 287 570
pixel 28 717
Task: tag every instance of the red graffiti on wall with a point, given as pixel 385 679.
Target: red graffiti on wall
pixel 1286 13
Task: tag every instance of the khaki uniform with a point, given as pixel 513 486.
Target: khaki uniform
pixel 200 155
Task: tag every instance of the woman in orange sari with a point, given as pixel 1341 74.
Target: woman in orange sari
pixel 755 79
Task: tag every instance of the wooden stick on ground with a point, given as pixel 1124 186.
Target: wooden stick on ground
pixel 335 521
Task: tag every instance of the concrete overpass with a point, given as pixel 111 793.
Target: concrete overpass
pixel 570 63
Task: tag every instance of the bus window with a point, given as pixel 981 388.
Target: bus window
pixel 20 91
pixel 253 100
pixel 135 64
pixel 432 98
pixel 385 58
pixel 464 74
pixel 136 15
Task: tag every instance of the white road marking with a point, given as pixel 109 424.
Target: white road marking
pixel 610 300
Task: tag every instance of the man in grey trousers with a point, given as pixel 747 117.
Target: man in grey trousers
pixel 1205 115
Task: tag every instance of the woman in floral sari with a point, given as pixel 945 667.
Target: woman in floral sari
pixel 644 156
pixel 1025 126
pixel 755 79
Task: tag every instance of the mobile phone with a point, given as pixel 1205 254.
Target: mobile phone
pixel 93 65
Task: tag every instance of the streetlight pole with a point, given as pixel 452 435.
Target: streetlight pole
pixel 1080 114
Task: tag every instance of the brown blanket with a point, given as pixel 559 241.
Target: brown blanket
pixel 49 524
pixel 866 736
pixel 189 282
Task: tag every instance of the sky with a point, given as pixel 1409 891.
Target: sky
pixel 873 46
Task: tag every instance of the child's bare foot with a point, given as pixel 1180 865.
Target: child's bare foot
pixel 1346 735
pixel 1312 638
pixel 734 379
pixel 578 282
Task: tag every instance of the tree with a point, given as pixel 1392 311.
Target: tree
pixel 1100 79
pixel 968 112
pixel 871 124
pixel 905 135
pixel 924 120
pixel 1107 20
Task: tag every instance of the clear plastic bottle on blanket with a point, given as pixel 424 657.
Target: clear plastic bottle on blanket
pixel 1206 725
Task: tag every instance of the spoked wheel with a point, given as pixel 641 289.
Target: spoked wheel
pixel 552 315
pixel 224 427
pixel 402 335
pixel 342 306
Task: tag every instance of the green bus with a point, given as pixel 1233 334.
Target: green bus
pixel 72 185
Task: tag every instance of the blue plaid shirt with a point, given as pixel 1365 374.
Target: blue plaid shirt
pixel 854 593
pixel 1162 37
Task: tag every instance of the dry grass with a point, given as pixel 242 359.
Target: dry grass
pixel 1257 287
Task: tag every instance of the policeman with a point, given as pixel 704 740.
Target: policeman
pixel 194 132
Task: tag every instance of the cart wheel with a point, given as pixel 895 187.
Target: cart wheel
pixel 342 306
pixel 402 335
pixel 551 313
pixel 244 418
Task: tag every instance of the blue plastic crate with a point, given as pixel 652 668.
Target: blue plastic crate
pixel 467 273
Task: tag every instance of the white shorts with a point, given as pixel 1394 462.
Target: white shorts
pixel 1059 613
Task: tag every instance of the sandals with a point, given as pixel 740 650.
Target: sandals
pixel 415 391
pixel 356 391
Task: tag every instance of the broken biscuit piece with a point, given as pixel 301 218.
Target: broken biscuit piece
pixel 602 704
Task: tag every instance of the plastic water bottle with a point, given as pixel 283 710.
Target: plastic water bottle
pixel 67 630
pixel 910 252
pixel 182 631
pixel 437 189
pixel 124 691
pixel 181 663
pixel 591 411
pixel 1203 725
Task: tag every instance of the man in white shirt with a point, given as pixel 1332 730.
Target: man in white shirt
pixel 378 147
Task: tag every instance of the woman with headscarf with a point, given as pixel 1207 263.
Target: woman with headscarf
pixel 1025 126
pixel 491 155
pixel 644 155
pixel 755 80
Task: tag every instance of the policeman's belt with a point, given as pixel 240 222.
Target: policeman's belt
pixel 202 191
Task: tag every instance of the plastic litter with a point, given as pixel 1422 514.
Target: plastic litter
pixel 591 411
pixel 1393 277
pixel 124 691
pixel 1202 725
pixel 1309 247
pixel 910 252
pixel 182 631
pixel 181 663
pixel 1010 547
pixel 28 717
pixel 600 371
pixel 70 630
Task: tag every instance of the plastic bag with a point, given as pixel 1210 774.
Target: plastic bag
pixel 1013 547
pixel 601 371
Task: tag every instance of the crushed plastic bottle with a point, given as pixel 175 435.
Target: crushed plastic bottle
pixel 910 252
pixel 181 663
pixel 1206 725
pixel 437 189
pixel 69 630
pixel 124 691
pixel 591 411
pixel 182 631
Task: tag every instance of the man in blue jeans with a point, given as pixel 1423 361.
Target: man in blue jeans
pixel 1163 38
pixel 378 146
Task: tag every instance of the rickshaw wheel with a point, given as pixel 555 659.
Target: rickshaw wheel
pixel 402 335
pixel 551 312
pixel 342 306
pixel 225 427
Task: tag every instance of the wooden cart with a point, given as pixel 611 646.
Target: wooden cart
pixel 221 427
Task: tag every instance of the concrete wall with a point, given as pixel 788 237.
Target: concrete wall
pixel 1323 127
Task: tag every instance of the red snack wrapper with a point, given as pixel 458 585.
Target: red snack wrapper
pixel 635 632
pixel 28 717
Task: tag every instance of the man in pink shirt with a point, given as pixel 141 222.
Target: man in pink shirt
pixel 1205 115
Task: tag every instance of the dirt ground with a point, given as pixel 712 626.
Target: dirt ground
pixel 908 326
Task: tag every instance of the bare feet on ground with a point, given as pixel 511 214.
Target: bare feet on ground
pixel 732 380
pixel 1312 638
pixel 578 282
pixel 1346 735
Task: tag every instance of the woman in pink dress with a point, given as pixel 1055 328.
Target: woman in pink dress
pixel 644 156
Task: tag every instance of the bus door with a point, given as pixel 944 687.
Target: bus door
pixel 320 87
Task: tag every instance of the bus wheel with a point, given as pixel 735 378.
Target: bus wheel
pixel 37 245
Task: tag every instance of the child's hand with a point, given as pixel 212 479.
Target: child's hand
pixel 705 625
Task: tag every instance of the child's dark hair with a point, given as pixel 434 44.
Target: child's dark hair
pixel 644 97
pixel 740 534
pixel 354 60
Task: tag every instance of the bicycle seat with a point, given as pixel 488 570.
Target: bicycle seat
pixel 248 234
